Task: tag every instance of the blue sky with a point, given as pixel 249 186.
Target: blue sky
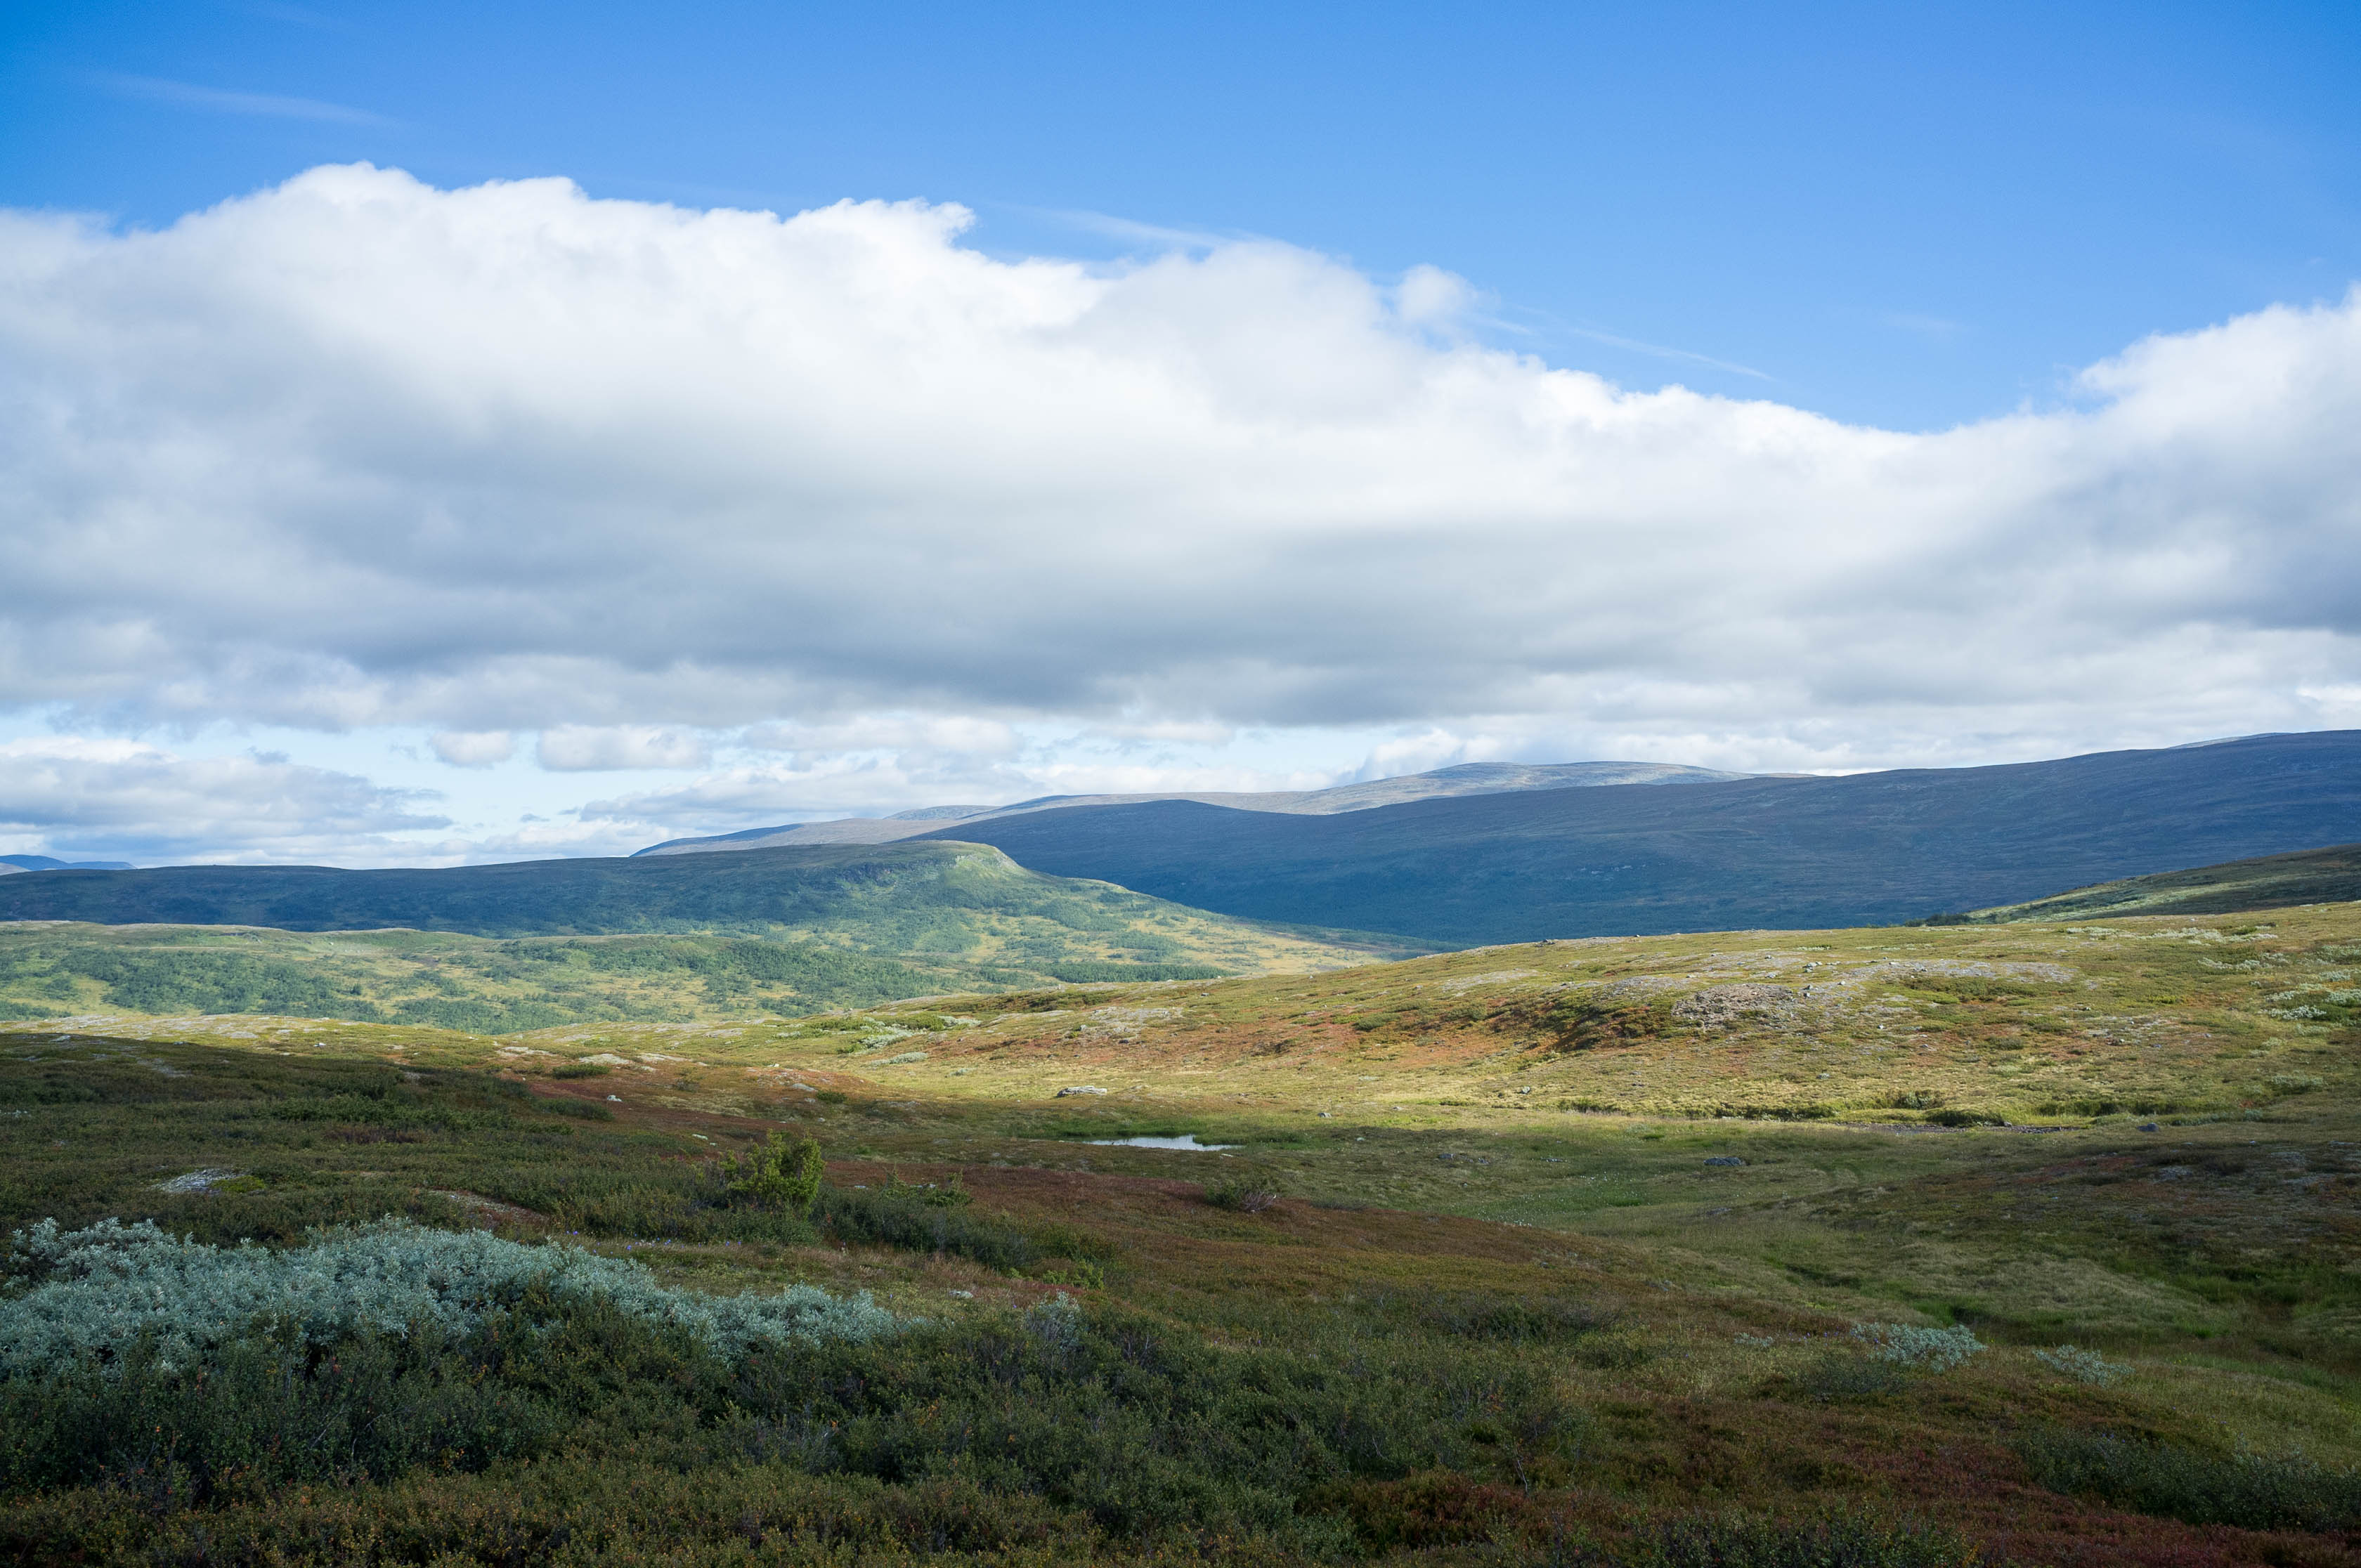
pixel 1220 396
pixel 1900 216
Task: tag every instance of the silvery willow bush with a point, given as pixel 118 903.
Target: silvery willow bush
pixel 1937 1349
pixel 2082 1366
pixel 91 1294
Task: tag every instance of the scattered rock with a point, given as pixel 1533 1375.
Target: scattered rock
pixel 1726 1004
pixel 1723 1159
pixel 1078 1089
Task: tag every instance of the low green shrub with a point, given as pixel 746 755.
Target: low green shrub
pixel 2249 1490
pixel 784 1173
pixel 1092 1429
pixel 951 1194
pixel 2142 1107
pixel 1844 1379
pixel 885 1218
pixel 1589 1020
pixel 1980 987
pixel 1509 1319
pixel 1242 1194
pixel 1833 1540
pixel 2082 1366
pixel 580 1069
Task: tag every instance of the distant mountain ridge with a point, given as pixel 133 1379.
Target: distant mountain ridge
pixel 1787 852
pixel 51 863
pixel 1463 779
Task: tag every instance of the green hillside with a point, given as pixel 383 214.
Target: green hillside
pixel 772 932
pixel 2273 882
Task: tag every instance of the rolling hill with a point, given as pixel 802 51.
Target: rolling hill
pixel 1757 852
pixel 1467 779
pixel 841 926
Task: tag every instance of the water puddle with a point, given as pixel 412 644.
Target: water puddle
pixel 1185 1141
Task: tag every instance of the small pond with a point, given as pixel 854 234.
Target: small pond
pixel 1185 1141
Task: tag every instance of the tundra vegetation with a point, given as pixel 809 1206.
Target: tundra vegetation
pixel 2015 1242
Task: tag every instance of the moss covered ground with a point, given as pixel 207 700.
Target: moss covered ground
pixel 1597 1217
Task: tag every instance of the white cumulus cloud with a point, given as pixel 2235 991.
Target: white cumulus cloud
pixel 354 451
pixel 472 749
pixel 587 748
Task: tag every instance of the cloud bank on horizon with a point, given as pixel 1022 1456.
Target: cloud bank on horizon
pixel 831 510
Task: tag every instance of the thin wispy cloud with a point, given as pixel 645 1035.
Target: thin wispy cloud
pixel 1132 231
pixel 1662 351
pixel 215 99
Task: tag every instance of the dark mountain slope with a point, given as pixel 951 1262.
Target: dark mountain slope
pixel 1758 852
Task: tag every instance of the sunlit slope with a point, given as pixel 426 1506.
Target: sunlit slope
pixel 1794 854
pixel 2186 1213
pixel 860 928
pixel 2272 881
pixel 1972 1026
pixel 2021 1023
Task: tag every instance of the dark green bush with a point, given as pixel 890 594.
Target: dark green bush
pixel 1242 1194
pixel 1509 1319
pixel 2252 1491
pixel 1101 973
pixel 1582 1021
pixel 1959 1117
pixel 1836 1541
pixel 1842 1378
pixel 783 1174
pixel 887 1218
pixel 1143 1432
pixel 375 1407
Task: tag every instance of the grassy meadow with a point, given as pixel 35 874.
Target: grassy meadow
pixel 2029 1242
